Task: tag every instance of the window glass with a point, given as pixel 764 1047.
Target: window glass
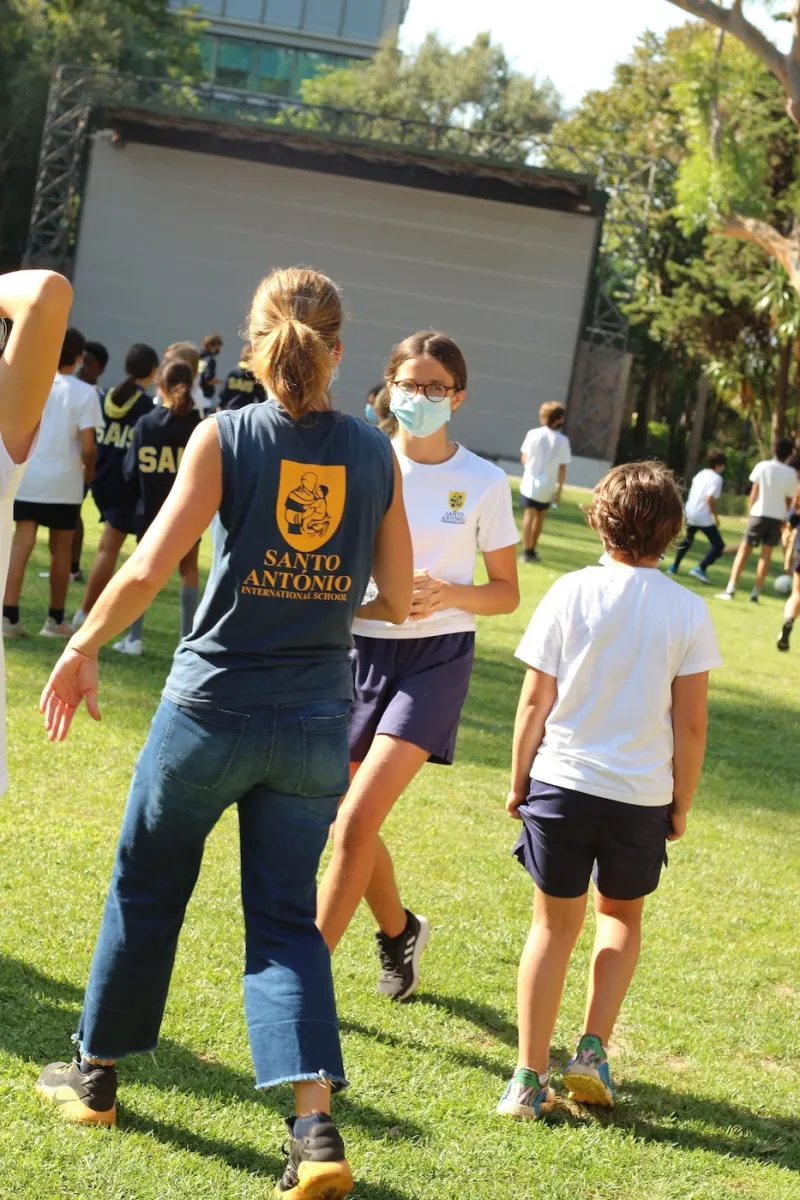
pixel 212 7
pixel 244 10
pixel 309 64
pixel 362 19
pixel 207 54
pixel 323 16
pixel 274 70
pixel 234 63
pixel 286 13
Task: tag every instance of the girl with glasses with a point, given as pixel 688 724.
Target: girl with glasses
pixel 411 680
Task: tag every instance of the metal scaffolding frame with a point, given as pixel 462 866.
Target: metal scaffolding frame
pixel 78 93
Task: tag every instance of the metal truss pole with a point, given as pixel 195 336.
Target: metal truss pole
pixel 55 204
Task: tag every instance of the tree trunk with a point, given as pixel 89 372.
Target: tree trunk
pixel 782 391
pixel 698 423
pixel 644 408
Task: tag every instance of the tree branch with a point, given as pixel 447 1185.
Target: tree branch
pixel 733 21
pixel 772 242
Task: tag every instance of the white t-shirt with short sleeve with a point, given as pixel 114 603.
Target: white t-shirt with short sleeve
pixel 455 509
pixel 706 485
pixel 55 471
pixel 615 638
pixel 777 483
pixel 546 450
pixel 10 475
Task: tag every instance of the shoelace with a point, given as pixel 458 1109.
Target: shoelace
pixel 388 952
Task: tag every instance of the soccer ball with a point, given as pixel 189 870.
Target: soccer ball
pixel 783 584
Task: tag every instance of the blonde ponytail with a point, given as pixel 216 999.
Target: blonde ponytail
pixel 295 320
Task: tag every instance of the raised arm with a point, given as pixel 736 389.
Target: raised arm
pixel 393 562
pixel 38 303
pixel 186 514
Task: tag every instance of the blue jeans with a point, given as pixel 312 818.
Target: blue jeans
pixel 286 767
pixel 715 538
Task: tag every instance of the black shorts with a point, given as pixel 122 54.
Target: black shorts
pixel 764 531
pixel 538 505
pixel 410 688
pixel 52 516
pixel 570 837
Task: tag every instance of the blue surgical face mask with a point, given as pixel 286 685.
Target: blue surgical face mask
pixel 418 414
pixel 370 416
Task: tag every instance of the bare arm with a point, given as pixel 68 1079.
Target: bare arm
pixel 499 595
pixel 38 302
pixel 538 695
pixel 754 493
pixel 712 504
pixel 187 512
pixel 524 459
pixel 88 454
pixel 562 475
pixel 689 729
pixel 393 562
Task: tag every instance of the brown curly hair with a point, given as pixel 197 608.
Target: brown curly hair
pixel 637 509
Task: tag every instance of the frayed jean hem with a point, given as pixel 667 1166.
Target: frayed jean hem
pixel 338 1082
pixel 112 1056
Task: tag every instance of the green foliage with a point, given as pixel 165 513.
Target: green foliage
pixel 142 36
pixel 474 88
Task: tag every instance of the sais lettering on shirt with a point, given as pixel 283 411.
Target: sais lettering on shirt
pixel 297 576
pixel 114 434
pixel 155 461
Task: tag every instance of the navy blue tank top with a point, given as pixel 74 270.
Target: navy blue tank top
pixel 293 549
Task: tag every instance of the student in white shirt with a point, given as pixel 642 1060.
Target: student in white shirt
pixel 702 516
pixel 608 747
pixel 774 483
pixel 411 680
pixel 34 306
pixel 51 494
pixel 545 456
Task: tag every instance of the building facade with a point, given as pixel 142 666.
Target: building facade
pixel 272 46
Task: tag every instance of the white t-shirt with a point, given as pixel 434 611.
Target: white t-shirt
pixel 455 509
pixel 55 471
pixel 706 485
pixel 615 638
pixel 776 486
pixel 10 475
pixel 546 451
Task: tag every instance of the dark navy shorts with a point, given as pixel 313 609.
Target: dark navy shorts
pixel 538 505
pixel 61 517
pixel 410 688
pixel 570 837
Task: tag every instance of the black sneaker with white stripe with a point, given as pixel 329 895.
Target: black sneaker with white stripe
pixel 399 977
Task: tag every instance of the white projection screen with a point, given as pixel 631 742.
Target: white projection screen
pixel 173 242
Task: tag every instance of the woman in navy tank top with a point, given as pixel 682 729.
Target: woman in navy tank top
pixel 255 712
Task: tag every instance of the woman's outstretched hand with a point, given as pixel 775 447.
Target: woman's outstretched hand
pixel 74 677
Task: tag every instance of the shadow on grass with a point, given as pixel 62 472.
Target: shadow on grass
pixel 454 1054
pixel 38 1015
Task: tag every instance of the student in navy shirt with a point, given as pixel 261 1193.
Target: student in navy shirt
pixel 123 406
pixel 212 344
pixel 255 713
pixel 241 386
pixel 151 466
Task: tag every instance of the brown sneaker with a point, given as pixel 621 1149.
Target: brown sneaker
pixel 86 1099
pixel 52 629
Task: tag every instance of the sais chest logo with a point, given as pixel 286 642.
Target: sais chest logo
pixel 310 503
pixel 455 514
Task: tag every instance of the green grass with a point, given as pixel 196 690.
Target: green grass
pixel 708 1046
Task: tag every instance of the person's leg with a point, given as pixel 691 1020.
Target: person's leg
pixel 383 895
pixel 528 515
pixel 717 547
pixel 60 558
pixel 542 972
pixel 739 564
pixel 538 521
pixel 790 613
pixel 190 583
pixel 683 547
pixel 762 569
pixel 385 773
pixel 617 944
pixel 21 550
pixel 111 542
pixel 77 550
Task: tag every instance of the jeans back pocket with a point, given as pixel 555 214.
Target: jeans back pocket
pixel 200 744
pixel 325 769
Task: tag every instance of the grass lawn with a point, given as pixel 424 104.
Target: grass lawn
pixel 707 1053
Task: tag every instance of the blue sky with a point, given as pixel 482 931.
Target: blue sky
pixel 575 42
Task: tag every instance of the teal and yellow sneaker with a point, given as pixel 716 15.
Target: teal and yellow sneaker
pixel 586 1075
pixel 526 1096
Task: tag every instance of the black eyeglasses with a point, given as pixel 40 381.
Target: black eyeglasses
pixel 431 391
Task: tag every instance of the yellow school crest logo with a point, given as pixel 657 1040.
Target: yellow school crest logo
pixel 457 500
pixel 310 503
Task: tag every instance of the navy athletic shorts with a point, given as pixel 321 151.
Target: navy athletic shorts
pixel 570 837
pixel 61 517
pixel 538 505
pixel 410 688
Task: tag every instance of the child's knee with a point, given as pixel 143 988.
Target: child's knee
pixel 629 912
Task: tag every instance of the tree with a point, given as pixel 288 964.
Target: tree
pixel 141 36
pixel 474 88
pixel 781 242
